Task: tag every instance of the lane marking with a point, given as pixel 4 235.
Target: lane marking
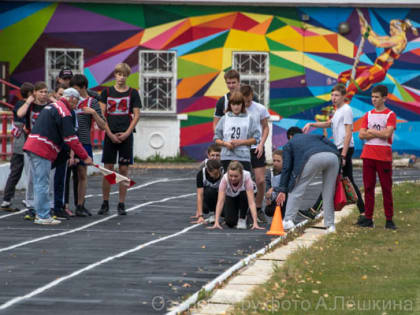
pixel 83 227
pixel 164 180
pixel 56 282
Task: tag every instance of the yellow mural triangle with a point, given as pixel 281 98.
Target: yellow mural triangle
pixel 325 97
pixel 287 36
pixel 257 17
pixel 218 87
pixel 241 40
pixel 154 31
pixel 318 44
pixel 316 66
pixel 318 30
pixel 227 58
pixel 293 56
pixel 207 18
pixel 345 47
pixel 202 113
pixel 211 58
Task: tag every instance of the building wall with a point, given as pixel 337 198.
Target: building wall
pixel 306 53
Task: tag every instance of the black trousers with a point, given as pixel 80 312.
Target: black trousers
pixel 234 208
pixel 210 199
pixel 75 185
pixel 16 169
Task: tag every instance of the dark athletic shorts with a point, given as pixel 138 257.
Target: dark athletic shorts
pixel 255 162
pixel 124 150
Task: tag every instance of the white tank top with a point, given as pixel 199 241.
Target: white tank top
pixel 378 122
pixel 236 128
pixel 229 189
pixel 207 183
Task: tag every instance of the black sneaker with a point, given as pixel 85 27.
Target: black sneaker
pixel 365 222
pixel 104 208
pixel 30 215
pixel 86 211
pixel 360 218
pixel 308 213
pixel 121 209
pixel 390 225
pixel 80 212
pixel 261 216
pixel 60 215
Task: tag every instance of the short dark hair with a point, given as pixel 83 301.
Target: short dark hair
pixel 236 98
pixel 26 88
pixel 40 85
pixel 60 86
pixel 246 90
pixel 232 74
pixel 381 89
pixel 79 80
pixel 212 165
pixel 278 152
pixel 341 88
pixel 292 131
pixel 214 148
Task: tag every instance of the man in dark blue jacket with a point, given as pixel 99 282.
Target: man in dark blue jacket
pixel 304 156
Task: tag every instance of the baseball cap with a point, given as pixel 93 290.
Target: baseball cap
pixel 65 73
pixel 71 92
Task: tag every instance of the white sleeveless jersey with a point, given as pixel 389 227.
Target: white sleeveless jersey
pixel 378 122
pixel 230 190
pixel 207 183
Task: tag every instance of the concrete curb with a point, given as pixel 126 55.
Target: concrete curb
pixel 259 269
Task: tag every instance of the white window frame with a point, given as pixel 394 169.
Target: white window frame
pixel 170 75
pixel 249 75
pixel 52 73
pixel 3 76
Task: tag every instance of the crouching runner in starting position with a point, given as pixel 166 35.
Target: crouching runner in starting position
pixel 236 194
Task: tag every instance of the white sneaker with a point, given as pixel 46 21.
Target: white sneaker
pixel 288 225
pixel 211 219
pixel 48 221
pixel 330 229
pixel 26 204
pixel 5 204
pixel 241 224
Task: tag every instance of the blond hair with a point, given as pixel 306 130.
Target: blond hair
pixel 122 68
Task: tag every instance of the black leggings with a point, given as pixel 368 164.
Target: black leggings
pixel 234 206
pixel 210 199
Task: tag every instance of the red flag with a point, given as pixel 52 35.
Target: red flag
pixel 113 177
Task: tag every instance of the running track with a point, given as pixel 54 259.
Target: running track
pixel 141 263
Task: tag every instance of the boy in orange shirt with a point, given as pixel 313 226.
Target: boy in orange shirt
pixel 377 130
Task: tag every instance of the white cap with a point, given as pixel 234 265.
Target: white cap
pixel 71 92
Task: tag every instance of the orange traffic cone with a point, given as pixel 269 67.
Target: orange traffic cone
pixel 277 223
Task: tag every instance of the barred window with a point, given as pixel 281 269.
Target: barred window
pixel 3 76
pixel 158 81
pixel 254 70
pixel 59 58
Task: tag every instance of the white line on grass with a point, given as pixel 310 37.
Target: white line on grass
pixel 92 266
pixel 83 227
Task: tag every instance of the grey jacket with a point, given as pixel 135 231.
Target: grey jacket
pixel 295 155
pixel 241 153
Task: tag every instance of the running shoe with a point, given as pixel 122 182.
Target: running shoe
pixel 121 209
pixel 261 217
pixel 390 225
pixel 30 215
pixel 288 225
pixel 308 213
pixel 241 224
pixel 365 222
pixel 48 221
pixel 104 208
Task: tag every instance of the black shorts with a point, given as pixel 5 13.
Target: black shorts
pixel 257 162
pixel 245 164
pixel 123 149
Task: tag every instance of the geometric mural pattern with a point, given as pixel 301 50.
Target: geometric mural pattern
pixel 306 58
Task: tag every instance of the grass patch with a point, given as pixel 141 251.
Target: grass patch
pixel 157 158
pixel 357 270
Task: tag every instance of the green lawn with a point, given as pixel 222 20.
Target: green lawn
pixel 356 271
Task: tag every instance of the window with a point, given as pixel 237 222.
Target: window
pixel 58 58
pixel 158 81
pixel 253 68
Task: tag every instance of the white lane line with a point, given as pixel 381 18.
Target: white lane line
pixel 90 267
pixel 83 227
pixel 315 183
pixel 163 180
pixel 13 213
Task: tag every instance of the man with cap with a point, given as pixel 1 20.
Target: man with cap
pixel 53 127
pixel 65 76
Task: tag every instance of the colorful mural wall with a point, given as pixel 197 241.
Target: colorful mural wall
pixel 306 57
